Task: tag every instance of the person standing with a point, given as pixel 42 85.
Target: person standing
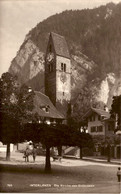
pixel 119 174
pixel 30 145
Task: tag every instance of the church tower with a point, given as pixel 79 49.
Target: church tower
pixel 58 72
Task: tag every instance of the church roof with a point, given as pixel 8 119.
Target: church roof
pixel 41 102
pixel 60 45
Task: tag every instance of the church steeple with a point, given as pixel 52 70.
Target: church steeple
pixel 58 70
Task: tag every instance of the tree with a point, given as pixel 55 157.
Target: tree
pixel 106 141
pixel 116 111
pixel 86 142
pixel 84 101
pixel 8 99
pixel 16 104
pixel 51 136
pixel 9 131
pixel 25 104
pixel 8 93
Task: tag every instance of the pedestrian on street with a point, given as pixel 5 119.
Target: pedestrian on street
pixel 119 174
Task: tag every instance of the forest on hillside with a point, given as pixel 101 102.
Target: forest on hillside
pixel 94 32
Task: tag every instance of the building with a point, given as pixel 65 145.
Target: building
pixel 46 113
pixel 99 122
pixel 100 125
pixel 45 109
pixel 58 72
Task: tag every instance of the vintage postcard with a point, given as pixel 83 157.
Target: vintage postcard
pixel 60 96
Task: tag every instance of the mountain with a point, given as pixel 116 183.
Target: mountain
pixel 94 40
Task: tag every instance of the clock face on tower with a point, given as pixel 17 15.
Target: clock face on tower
pixel 50 57
pixel 63 78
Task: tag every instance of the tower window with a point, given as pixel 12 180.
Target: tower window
pixel 63 67
pixel 50 67
pixel 50 48
pixel 63 93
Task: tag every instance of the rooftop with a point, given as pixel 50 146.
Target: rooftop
pixel 60 45
pixel 100 112
pixel 41 102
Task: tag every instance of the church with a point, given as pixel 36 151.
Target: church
pixel 58 72
pixel 53 105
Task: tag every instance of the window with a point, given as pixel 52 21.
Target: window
pixel 99 117
pixel 93 129
pixel 46 109
pixel 99 128
pixel 50 67
pixel 63 93
pixel 53 121
pixel 102 117
pixel 63 67
pixel 92 118
pixel 50 48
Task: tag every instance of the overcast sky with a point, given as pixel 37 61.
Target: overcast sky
pixel 18 17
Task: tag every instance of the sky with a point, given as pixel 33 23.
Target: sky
pixel 18 17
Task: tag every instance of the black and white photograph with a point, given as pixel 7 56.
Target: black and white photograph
pixel 60 96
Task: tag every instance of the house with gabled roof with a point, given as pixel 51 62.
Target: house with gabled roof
pixel 46 113
pixel 45 109
pixel 99 122
pixel 101 125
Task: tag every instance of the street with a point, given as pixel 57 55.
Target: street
pixel 69 176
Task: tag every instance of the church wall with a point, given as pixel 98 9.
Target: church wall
pixel 57 81
pixel 59 60
pixel 63 80
pixel 50 86
pixel 50 77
